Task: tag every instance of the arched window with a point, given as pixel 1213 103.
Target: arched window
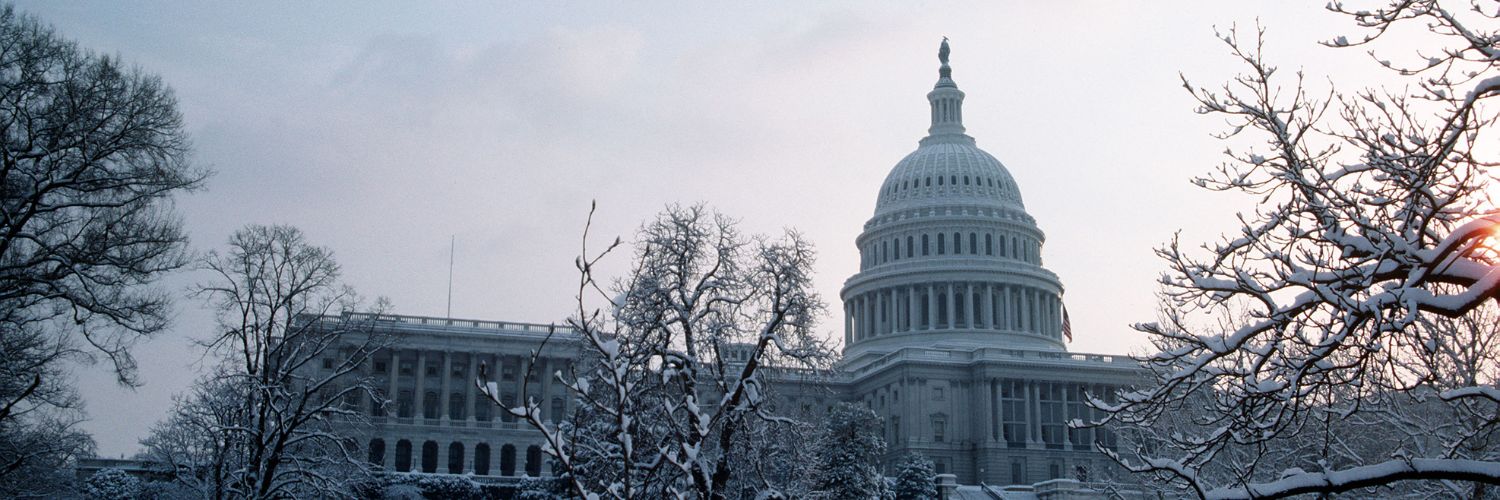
pixel 973 244
pixel 377 452
pixel 896 245
pixel 403 456
pixel 908 247
pixel 507 460
pixel 941 238
pixel 885 251
pixel 929 182
pixel 456 458
pixel 482 459
pixel 534 461
pixel 989 244
pixel 966 180
pixel 953 179
pixel 429 456
pixel 940 180
pixel 924 245
pixel 958 243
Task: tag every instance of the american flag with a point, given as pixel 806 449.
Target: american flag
pixel 1067 325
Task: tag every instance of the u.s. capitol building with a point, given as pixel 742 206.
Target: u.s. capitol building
pixel 953 333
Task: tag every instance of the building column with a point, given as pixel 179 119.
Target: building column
pixel 848 326
pixel 1034 404
pixel 989 306
pixel 470 392
pixel 394 370
pixel 931 316
pixel 888 302
pixel 912 309
pixel 952 316
pixel 418 394
pixel 971 312
pixel 1027 320
pixel 446 376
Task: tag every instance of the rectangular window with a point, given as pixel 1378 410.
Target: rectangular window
pixel 1013 413
pixel 403 404
pixel 406 367
pixel 508 372
pixel 939 429
pixel 1053 422
pixel 327 363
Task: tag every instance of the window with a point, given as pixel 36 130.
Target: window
pixel 327 363
pixel 937 393
pixel 559 408
pixel 431 370
pixel 966 180
pixel 456 406
pixel 989 244
pixel 958 243
pixel 953 179
pixel 508 372
pixel 456 458
pixel 403 456
pixel 482 407
pixel 940 180
pixel 885 251
pixel 380 366
pixel 1054 426
pixel 406 367
pixel 941 239
pixel 460 371
pixel 430 405
pixel 377 452
pixel 429 456
pixel 509 400
pixel 507 460
pixel 1013 413
pixel 895 429
pixel 973 244
pixel 482 459
pixel 924 245
pixel 378 404
pixel 534 461
pixel 403 405
pixel 908 247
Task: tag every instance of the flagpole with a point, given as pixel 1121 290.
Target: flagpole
pixel 451 240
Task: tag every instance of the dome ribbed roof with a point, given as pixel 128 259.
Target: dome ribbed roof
pixel 948 172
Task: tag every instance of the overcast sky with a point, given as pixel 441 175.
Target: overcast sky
pixel 384 129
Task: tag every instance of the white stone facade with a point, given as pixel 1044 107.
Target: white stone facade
pixel 952 332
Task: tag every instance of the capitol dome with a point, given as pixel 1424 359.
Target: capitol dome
pixel 950 258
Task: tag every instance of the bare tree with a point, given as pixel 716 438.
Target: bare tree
pixel 292 346
pixel 1341 306
pixel 201 444
pixel 90 153
pixel 676 369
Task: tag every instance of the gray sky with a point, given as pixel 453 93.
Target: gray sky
pixel 382 129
